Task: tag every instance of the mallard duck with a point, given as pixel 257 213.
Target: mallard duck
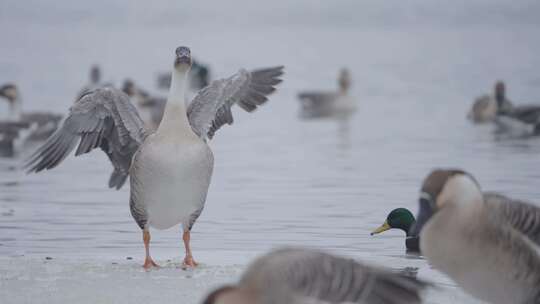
pixel 486 242
pixel 402 219
pixel 302 276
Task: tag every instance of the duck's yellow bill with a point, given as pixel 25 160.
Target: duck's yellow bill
pixel 383 228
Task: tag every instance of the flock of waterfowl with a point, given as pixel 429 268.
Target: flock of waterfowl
pixel 20 128
pixel 486 242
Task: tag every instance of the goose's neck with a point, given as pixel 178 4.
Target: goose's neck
pixel 175 118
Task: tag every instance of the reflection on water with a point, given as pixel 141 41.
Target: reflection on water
pixel 343 134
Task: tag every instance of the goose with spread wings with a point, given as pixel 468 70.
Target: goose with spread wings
pixel 169 169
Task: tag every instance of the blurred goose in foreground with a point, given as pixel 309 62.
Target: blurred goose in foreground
pixel 169 169
pixel 302 276
pixel 329 104
pixel 402 219
pixel 491 242
pixel 36 125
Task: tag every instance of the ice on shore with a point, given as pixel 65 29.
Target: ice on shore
pixel 33 280
pixel 67 280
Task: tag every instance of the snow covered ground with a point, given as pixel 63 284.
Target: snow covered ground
pixel 87 281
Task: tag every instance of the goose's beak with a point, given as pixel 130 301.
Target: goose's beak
pixel 383 228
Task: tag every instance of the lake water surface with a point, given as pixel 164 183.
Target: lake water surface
pixel 278 179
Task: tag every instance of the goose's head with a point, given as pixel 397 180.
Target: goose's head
pixel 399 218
pixel 182 61
pixel 443 188
pixel 230 295
pixel 9 92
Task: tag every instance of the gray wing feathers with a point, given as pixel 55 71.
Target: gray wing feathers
pixel 316 275
pixel 117 179
pixel 102 118
pixel 194 216
pixel 211 108
pixel 521 216
pixel 136 207
pixel 258 84
pixel 223 116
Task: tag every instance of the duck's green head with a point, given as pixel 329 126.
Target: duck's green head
pixel 399 218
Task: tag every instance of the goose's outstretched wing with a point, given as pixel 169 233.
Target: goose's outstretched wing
pixel 102 118
pixel 211 108
pixel 296 275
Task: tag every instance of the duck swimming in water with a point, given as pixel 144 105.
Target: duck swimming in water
pixel 402 219
pixel 486 108
pixel 337 104
pixel 511 120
